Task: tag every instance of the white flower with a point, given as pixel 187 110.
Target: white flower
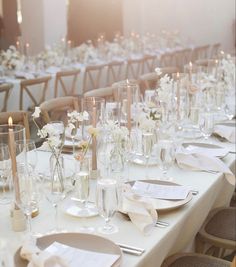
pixel 158 71
pixel 147 124
pixel 36 113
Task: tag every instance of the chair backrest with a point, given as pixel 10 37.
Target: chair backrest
pixel 18 117
pixel 114 71
pixel 200 52
pixel 5 90
pixel 134 68
pixel 149 63
pixel 57 108
pixel 202 62
pixel 36 94
pixel 215 49
pixel 149 81
pixel 167 59
pixel 60 82
pixel 182 57
pixel 108 93
pixel 92 77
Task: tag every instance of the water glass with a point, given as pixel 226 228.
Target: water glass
pixel 147 145
pixel 5 175
pixel 107 203
pixel 165 156
pixel 206 124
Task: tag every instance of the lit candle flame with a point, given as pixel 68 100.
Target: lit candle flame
pixel 10 121
pixel 27 45
pixel 177 75
pixel 190 64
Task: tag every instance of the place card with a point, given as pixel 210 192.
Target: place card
pixel 75 257
pixel 170 192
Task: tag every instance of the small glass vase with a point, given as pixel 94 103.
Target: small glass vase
pixel 117 157
pixel 56 167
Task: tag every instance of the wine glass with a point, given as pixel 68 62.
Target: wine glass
pixel 165 156
pixel 147 145
pixel 28 193
pixel 107 203
pixel 27 153
pixel 5 177
pixel 55 189
pixel 206 124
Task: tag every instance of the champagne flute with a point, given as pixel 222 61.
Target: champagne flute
pixel 107 203
pixel 5 177
pixel 165 156
pixel 206 124
pixel 28 193
pixel 147 145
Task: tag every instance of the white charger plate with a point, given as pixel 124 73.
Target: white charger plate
pixel 162 205
pixel 77 240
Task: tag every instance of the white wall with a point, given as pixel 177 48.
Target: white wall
pixel 202 21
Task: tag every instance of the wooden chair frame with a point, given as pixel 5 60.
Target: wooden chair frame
pixel 114 71
pixel 149 63
pixel 108 93
pixel 5 89
pixel 24 87
pixel 59 81
pixel 134 68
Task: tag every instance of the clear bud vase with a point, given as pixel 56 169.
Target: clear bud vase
pixel 117 158
pixel 57 167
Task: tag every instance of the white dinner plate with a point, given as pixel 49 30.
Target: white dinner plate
pixel 162 205
pixel 220 152
pixel 140 160
pixel 77 240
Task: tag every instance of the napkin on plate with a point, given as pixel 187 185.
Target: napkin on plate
pixel 139 209
pixel 197 162
pixel 39 258
pixel 228 132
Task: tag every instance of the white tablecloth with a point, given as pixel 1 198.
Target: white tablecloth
pixel 214 191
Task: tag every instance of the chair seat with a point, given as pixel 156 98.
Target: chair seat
pixel 194 260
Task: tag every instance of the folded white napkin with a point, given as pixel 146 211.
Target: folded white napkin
pixel 197 162
pixel 209 151
pixel 227 132
pixel 139 209
pixel 39 258
pixel 22 74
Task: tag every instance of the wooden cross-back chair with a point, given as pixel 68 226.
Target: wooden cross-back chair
pixel 149 63
pixel 200 52
pixel 60 82
pixel 114 72
pixel 57 108
pixel 28 87
pixel 215 49
pixel 5 90
pixel 134 68
pixel 92 77
pixel 18 117
pixel 167 59
pixel 182 57
pixel 108 93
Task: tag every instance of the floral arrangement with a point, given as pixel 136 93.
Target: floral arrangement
pixel 11 59
pixel 85 53
pixel 227 71
pixel 51 56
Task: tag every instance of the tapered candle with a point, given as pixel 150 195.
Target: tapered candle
pixel 190 71
pixel 94 142
pixel 178 95
pixel 27 46
pixel 13 161
pixel 128 107
pixel 18 46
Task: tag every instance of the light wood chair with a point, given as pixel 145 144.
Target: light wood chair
pixel 18 117
pixel 5 90
pixel 200 52
pixel 108 93
pixel 182 57
pixel 60 82
pixel 29 87
pixel 215 49
pixel 134 68
pixel 167 59
pixel 114 72
pixel 149 63
pixel 194 259
pixel 218 231
pixel 57 108
pixel 92 77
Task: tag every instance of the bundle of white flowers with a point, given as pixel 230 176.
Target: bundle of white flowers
pixel 11 59
pixel 227 71
pixel 164 90
pixel 85 53
pixel 51 56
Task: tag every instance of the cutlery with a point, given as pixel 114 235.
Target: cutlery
pixel 194 192
pixel 131 250
pixel 161 224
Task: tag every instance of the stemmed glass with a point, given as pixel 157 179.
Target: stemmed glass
pixel 28 193
pixel 147 145
pixel 165 156
pixel 107 203
pixel 5 168
pixel 206 124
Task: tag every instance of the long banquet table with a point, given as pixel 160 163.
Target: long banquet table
pixel 184 222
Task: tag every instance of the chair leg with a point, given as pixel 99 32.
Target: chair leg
pixel 199 245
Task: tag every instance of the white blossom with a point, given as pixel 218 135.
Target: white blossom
pixel 36 113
